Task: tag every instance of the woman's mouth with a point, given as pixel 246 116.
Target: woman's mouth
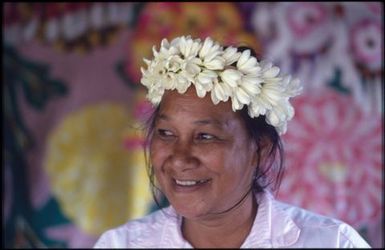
pixel 189 183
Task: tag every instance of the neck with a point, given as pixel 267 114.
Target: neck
pixel 228 229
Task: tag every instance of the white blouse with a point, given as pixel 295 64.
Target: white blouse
pixel 276 225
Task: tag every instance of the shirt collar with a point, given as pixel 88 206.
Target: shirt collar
pixel 172 231
pixel 272 226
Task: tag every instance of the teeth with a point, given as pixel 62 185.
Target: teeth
pixel 188 183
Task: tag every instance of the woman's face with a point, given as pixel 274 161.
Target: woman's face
pixel 202 157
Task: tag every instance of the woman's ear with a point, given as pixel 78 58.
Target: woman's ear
pixel 263 151
pixel 255 153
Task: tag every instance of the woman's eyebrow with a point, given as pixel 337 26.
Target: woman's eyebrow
pixel 163 117
pixel 208 121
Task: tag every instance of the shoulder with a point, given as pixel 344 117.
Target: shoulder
pixel 142 232
pixel 306 218
pixel 320 231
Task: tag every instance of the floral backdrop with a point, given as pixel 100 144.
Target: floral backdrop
pixel 73 165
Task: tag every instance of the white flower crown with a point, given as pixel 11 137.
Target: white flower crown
pixel 226 73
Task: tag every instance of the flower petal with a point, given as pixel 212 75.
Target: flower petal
pixel 242 96
pixel 207 44
pixel 243 58
pixel 201 92
pixel 217 63
pixel 231 55
pixel 235 104
pixel 231 76
pixel 250 90
pixel 272 72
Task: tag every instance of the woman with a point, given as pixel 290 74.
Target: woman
pixel 215 150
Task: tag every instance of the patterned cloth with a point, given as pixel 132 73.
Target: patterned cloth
pixel 276 225
pixel 62 61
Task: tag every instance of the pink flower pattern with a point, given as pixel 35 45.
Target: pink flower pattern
pixel 333 158
pixel 315 40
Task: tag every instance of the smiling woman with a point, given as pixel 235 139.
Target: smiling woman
pixel 194 149
pixel 215 152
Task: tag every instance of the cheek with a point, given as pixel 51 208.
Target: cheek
pixel 157 159
pixel 222 158
pixel 157 154
pixel 212 161
pixel 213 156
pixel 240 165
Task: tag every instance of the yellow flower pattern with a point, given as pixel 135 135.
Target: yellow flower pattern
pixel 98 182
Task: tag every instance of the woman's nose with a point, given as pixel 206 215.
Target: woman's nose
pixel 182 156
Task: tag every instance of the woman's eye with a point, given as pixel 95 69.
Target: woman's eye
pixel 165 133
pixel 204 136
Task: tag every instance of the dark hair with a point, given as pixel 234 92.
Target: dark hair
pixel 265 135
pixel 268 174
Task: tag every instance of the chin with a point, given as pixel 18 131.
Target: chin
pixel 189 210
pixel 189 213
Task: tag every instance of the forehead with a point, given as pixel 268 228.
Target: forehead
pixel 189 104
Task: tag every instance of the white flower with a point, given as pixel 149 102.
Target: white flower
pixel 217 63
pixel 209 49
pixel 155 94
pixel 281 129
pixel 220 92
pixel 164 51
pixel 226 73
pixel 192 66
pixel 251 84
pixel 231 77
pixel 169 81
pixel 231 55
pixel 292 86
pixel 182 83
pixel 271 92
pixel 235 105
pixel 204 82
pixel 240 98
pixel 174 63
pixel 279 113
pixel 247 64
pixel 269 72
pixel 189 47
pixel 211 55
